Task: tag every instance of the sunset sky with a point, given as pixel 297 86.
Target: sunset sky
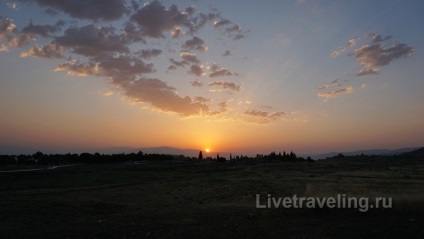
pixel 234 76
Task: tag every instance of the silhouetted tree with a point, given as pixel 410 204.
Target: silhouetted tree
pixel 200 155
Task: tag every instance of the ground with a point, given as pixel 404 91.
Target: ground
pixel 189 199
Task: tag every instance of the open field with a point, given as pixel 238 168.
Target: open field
pixel 184 199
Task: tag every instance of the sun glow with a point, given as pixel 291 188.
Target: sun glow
pixel 207 150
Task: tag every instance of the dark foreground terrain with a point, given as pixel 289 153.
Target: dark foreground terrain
pixel 189 199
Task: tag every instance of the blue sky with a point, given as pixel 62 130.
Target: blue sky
pixel 308 75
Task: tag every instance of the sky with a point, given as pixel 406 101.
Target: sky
pixel 310 76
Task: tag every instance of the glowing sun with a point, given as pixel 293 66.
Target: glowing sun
pixel 207 150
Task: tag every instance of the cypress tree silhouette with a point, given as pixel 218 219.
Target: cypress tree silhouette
pixel 200 155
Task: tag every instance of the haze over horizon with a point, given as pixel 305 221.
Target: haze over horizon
pixel 308 76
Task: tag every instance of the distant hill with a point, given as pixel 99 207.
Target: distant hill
pixel 416 153
pixel 387 152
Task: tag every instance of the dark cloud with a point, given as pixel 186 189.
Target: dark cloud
pixel 378 38
pixel 227 85
pixel 196 70
pixel 234 28
pixel 239 36
pixel 123 68
pixel 91 40
pixel 376 55
pixel 368 71
pixel 195 43
pixel 51 12
pixel 86 9
pixel 201 20
pixel 234 31
pixel 177 63
pixel 155 19
pixel 43 30
pixel 102 51
pixel 132 33
pixel 196 83
pixel 172 67
pixel 149 53
pixel 226 53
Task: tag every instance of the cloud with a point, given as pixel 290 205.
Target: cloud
pixel 239 36
pixel 111 51
pixel 201 99
pixel 196 83
pixel 51 12
pixel 234 28
pixel 226 53
pixel 155 19
pixel 87 9
pixel 6 27
pixel 375 55
pixel 76 68
pixel 368 71
pixel 195 43
pixel 3 48
pixel 12 5
pixel 221 22
pixel 226 85
pixel 91 40
pixel 189 57
pixel 203 19
pixel 196 70
pixel 172 68
pixel 149 53
pixel 162 97
pixel 121 69
pixel 234 31
pixel 45 51
pixel 263 117
pixel 124 67
pixel 377 38
pixel 220 72
pixel 177 33
pixel 222 107
pixel 30 32
pixel 43 30
pixel 334 83
pixel 351 43
pixel 332 94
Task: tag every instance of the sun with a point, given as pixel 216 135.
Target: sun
pixel 207 150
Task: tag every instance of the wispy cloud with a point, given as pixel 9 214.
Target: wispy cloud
pixel 227 85
pixel 332 94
